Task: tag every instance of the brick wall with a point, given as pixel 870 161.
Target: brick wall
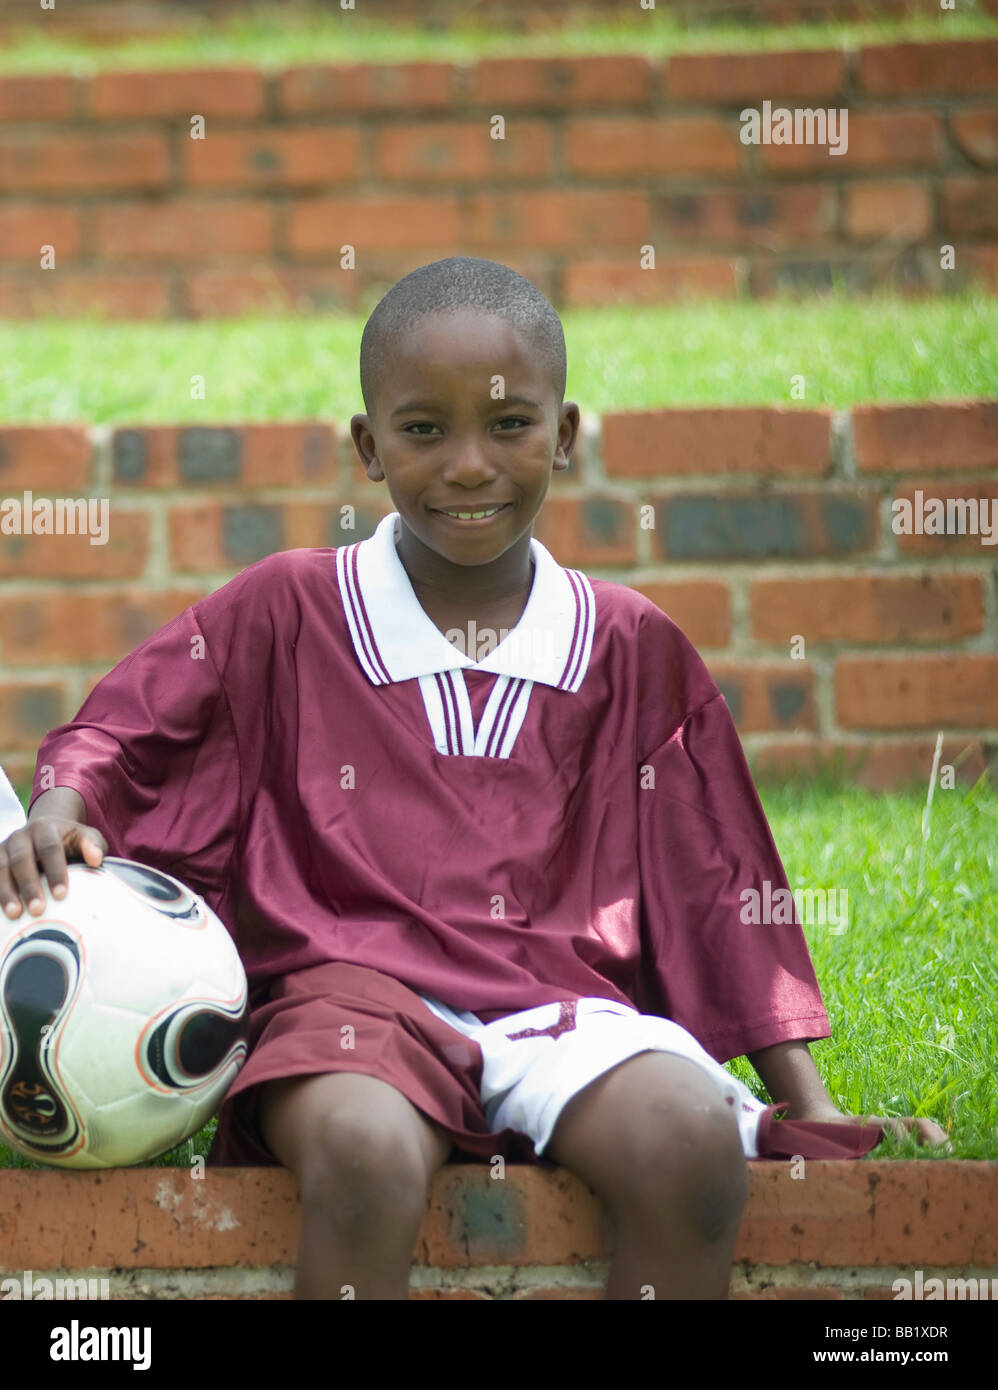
pixel 602 156
pixel 769 525
pixel 834 1231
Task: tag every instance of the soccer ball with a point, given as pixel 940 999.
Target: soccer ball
pixel 123 1019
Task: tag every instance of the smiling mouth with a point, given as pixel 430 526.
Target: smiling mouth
pixel 469 514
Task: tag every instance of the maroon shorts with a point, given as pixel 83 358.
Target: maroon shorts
pixel 300 1028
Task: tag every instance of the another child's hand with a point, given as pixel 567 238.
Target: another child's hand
pixel 45 843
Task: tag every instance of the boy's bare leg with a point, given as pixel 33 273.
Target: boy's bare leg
pixel 364 1157
pixel 655 1140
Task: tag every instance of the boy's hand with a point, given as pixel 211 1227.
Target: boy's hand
pixel 46 842
pixel 926 1131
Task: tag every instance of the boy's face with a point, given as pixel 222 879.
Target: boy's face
pixel 446 434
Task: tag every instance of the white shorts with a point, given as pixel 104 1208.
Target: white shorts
pixel 527 1081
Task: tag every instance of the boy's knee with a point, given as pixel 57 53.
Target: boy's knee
pixel 357 1168
pixel 688 1157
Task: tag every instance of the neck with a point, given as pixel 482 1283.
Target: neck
pixel 507 577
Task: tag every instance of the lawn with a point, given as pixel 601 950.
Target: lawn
pixel 911 985
pixel 715 353
pixel 277 36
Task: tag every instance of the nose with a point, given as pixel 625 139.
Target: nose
pixel 468 464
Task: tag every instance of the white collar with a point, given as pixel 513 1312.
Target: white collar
pixel 395 640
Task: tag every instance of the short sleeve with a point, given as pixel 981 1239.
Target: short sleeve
pixel 152 751
pixel 703 840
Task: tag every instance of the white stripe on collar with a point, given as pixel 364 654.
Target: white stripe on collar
pixel 395 640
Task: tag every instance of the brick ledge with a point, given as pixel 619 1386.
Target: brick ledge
pixel 873 1215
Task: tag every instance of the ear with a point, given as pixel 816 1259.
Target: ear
pixel 367 446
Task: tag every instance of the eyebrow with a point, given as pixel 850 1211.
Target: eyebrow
pixel 414 405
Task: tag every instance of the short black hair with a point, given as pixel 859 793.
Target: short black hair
pixel 462 282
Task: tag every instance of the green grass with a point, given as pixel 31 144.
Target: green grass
pixel 911 987
pixel 273 37
pixel 713 353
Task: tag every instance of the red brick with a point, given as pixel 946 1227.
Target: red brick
pixel 125 555
pixel 767 695
pixel 875 1213
pixel 322 225
pixel 768 216
pixel 357 88
pixel 92 292
pixel 917 692
pixel 558 1293
pixel 545 83
pixel 976 133
pixel 700 607
pixel 737 77
pixel 560 218
pixel 879 765
pixel 926 437
pixel 589 531
pixel 227 92
pixel 269 288
pixel 982 518
pixel 877 140
pixel 714 525
pixel 893 211
pixel 26 227
pixel 789 1293
pixel 383 269
pixel 969 205
pixel 45 458
pixel 236 457
pixel 37 97
pixel 272 158
pixel 463 151
pixel 626 146
pixel 15 300
pixel 867 608
pixel 738 440
pixel 228 536
pixel 149 1218
pixel 53 629
pixel 541 1205
pixel 184 230
pixel 84 163
pixel 27 711
pixel 606 281
pixel 981 265
pixel 894 69
pixel 447 1296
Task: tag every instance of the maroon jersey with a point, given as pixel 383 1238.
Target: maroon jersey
pixel 569 816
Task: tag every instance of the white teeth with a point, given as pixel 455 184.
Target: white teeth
pixel 474 516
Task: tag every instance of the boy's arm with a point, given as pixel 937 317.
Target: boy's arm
pixel 788 1073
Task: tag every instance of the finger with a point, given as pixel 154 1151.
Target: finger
pixel 24 871
pixel 891 1125
pixel 9 900
pixel 92 846
pixel 931 1133
pixel 52 857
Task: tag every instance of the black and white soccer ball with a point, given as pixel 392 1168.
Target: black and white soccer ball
pixel 123 1019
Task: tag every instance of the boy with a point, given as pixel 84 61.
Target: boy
pixel 488 902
